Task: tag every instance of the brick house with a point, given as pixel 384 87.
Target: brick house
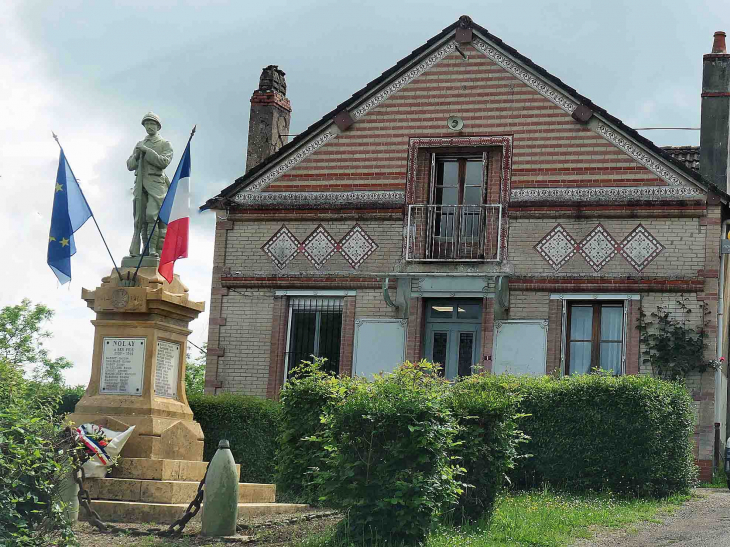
pixel 469 208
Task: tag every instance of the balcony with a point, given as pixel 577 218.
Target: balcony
pixel 454 233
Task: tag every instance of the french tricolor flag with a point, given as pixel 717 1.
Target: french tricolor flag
pixel 175 212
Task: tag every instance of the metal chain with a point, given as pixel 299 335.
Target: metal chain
pixel 174 530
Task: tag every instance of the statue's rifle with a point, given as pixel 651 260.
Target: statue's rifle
pixel 157 220
pixel 136 209
pixel 92 214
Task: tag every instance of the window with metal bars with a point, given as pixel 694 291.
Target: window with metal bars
pixel 315 328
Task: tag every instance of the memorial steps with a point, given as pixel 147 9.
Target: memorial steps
pixel 159 491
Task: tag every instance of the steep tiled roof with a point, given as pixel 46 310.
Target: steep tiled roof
pixel 689 155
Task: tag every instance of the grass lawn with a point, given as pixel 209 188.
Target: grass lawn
pixel 538 518
pixel 719 480
pixel 541 519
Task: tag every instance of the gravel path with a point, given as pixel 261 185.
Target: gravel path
pixel 704 521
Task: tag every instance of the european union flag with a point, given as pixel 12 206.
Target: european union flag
pixel 70 211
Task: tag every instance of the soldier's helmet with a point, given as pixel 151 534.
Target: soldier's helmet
pixel 152 116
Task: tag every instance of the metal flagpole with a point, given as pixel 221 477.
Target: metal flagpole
pixel 149 237
pixel 87 204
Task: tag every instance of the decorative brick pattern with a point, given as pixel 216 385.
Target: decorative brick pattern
pixel 286 164
pixel 282 247
pixel 598 247
pixel 356 246
pixel 639 248
pixel 557 247
pixel 319 246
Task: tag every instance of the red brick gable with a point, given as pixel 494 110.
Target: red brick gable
pixel 567 148
pixel 551 149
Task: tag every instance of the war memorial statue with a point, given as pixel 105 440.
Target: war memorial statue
pixel 149 159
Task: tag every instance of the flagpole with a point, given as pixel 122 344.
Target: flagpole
pixel 157 220
pixel 87 204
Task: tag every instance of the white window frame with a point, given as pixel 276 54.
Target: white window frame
pixel 567 297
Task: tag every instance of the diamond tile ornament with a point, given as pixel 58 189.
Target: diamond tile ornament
pixel 557 247
pixel 356 246
pixel 319 246
pixel 640 248
pixel 282 247
pixel 598 247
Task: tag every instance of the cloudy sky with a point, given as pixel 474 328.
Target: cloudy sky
pixel 89 70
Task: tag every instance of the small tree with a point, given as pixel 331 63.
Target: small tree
pixel 389 464
pixel 22 334
pixel 33 461
pixel 195 372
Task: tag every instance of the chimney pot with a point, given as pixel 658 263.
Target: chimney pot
pixel 718 44
pixel 272 79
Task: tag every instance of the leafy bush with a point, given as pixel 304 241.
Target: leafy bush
pixel 674 344
pixel 68 398
pixel 195 372
pixel 304 399
pixel 250 423
pixel 32 463
pixel 485 407
pixel 388 462
pixel 626 434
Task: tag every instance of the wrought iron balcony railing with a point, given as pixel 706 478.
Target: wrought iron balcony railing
pixel 468 233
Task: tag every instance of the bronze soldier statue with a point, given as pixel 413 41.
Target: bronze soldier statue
pixel 148 161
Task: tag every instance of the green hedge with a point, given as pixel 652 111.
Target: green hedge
pixel 627 434
pixel 249 423
pixel 389 463
pixel 486 409
pixel 304 399
pixel 69 397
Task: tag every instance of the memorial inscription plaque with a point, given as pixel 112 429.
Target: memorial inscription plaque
pixel 168 363
pixel 122 366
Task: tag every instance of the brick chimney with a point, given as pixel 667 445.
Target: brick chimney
pixel 715 132
pixel 270 115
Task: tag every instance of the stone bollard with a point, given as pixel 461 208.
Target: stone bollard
pixel 68 491
pixel 220 502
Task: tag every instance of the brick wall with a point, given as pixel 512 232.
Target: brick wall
pixel 528 305
pixel 246 337
pixel 683 239
pixel 550 148
pixel 245 239
pixel 371 303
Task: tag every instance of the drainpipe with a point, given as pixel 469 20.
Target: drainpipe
pixel 720 336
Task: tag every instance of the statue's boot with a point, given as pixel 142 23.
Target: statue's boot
pixel 160 234
pixel 152 250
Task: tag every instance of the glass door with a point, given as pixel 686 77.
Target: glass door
pixel 453 335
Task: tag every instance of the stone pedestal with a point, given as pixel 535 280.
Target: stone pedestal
pixel 138 378
pixel 138 365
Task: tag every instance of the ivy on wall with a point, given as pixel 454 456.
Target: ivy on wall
pixel 673 340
